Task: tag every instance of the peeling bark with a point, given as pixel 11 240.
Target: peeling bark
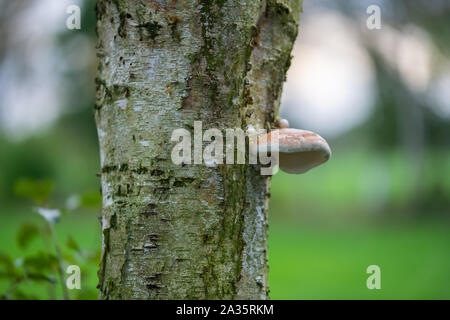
pixel 192 231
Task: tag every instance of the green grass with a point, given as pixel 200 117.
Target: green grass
pixel 309 261
pixel 355 185
pixel 330 263
pixel 321 240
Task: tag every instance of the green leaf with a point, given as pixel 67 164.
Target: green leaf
pixel 8 275
pixel 27 233
pixel 6 261
pixel 71 244
pixel 39 277
pixel 8 269
pixel 94 256
pixel 37 190
pixel 40 261
pixel 70 258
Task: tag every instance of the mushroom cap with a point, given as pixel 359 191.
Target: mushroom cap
pixel 299 150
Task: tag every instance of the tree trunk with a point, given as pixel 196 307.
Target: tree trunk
pixel 185 231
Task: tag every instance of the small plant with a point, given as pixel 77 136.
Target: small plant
pixel 45 270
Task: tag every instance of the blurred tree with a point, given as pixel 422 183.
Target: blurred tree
pixel 8 13
pixel 403 118
pixel 185 231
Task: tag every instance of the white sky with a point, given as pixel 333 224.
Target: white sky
pixel 32 102
pixel 329 86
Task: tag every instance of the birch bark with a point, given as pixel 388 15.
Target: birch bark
pixel 192 231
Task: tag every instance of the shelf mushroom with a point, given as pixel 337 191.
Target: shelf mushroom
pixel 298 150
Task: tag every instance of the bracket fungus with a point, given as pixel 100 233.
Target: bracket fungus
pixel 297 150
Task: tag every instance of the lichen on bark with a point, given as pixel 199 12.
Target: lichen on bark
pixel 192 231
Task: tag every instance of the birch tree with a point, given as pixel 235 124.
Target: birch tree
pixel 185 231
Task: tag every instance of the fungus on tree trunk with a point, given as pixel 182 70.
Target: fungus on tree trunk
pixel 298 150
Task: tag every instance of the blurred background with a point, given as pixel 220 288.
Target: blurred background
pixel 380 97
